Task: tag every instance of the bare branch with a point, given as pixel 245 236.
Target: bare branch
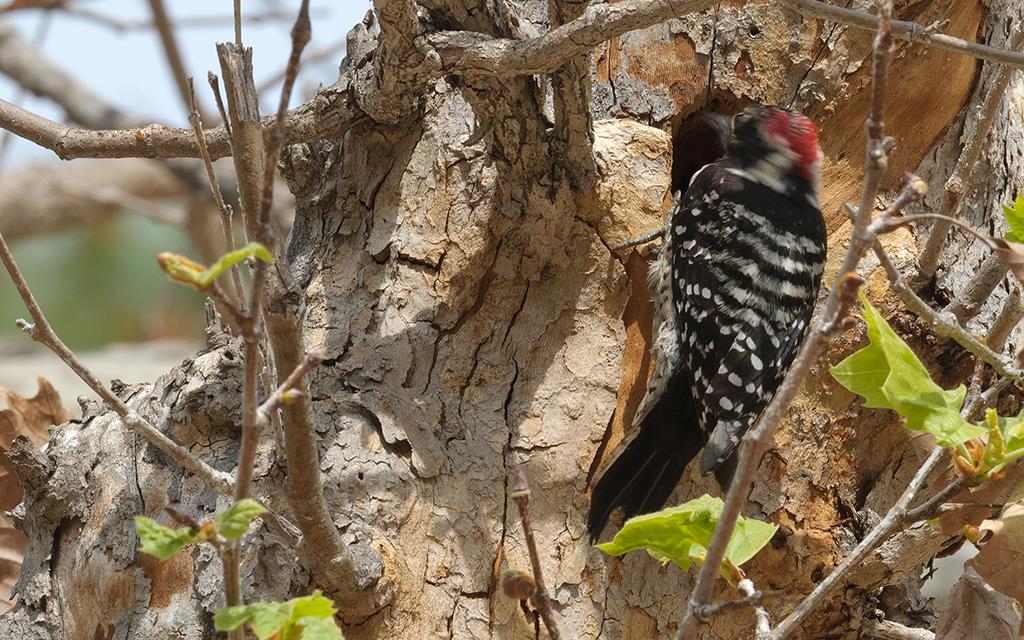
pixel 1010 315
pixel 225 211
pixel 185 22
pixel 281 395
pixel 943 324
pixel 172 53
pixel 26 65
pixel 331 113
pixel 909 31
pixel 246 131
pixel 319 55
pixel 763 631
pixel 519 491
pixel 751 599
pixel 41 198
pixel 214 81
pixel 980 287
pixel 472 53
pixel 334 110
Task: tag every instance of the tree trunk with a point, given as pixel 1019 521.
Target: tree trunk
pixel 458 273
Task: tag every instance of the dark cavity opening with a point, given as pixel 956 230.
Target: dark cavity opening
pixel 695 143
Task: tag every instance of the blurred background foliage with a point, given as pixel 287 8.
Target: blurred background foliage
pixel 101 284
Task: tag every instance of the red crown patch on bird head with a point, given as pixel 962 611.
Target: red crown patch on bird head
pixel 797 133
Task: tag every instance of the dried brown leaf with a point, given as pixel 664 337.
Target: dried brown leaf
pixel 32 418
pixel 975 610
pixel 1001 561
pixel 1012 254
pixel 974 502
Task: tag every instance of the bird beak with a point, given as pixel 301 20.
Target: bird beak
pixel 720 123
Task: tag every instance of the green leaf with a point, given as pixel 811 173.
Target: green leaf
pixel 749 537
pixel 235 521
pixel 889 376
pixel 313 628
pixel 1004 445
pixel 265 618
pixel 230 618
pixel 181 269
pixel 309 617
pixel 1014 214
pixel 681 534
pixel 226 261
pixel 160 541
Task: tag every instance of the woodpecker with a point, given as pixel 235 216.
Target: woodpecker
pixel 734 287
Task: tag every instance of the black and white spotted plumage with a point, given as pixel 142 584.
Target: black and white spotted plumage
pixel 734 288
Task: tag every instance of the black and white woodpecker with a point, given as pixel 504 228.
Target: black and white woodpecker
pixel 734 287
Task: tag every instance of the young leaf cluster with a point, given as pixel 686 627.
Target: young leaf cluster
pixel 888 375
pixel 681 534
pixel 163 542
pixel 306 618
pixel 181 269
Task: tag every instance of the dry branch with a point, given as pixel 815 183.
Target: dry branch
pixel 909 31
pixel 519 491
pixel 334 109
pixel 894 520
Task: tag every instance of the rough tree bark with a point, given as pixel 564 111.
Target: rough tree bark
pixel 457 272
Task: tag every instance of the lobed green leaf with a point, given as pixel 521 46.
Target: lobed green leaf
pixel 681 534
pixel 888 375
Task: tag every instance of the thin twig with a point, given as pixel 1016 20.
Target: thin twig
pixel 987 399
pixel 225 211
pixel 238 23
pixel 214 81
pixel 519 491
pixel 756 442
pixel 1010 315
pixel 749 600
pixel 172 52
pixel 969 302
pixel 312 57
pixel 41 331
pixel 909 31
pixel 928 508
pixel 281 395
pixel 42 29
pixel 763 630
pixel 264 232
pixel 646 238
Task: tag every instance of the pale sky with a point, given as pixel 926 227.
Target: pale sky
pixel 128 68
